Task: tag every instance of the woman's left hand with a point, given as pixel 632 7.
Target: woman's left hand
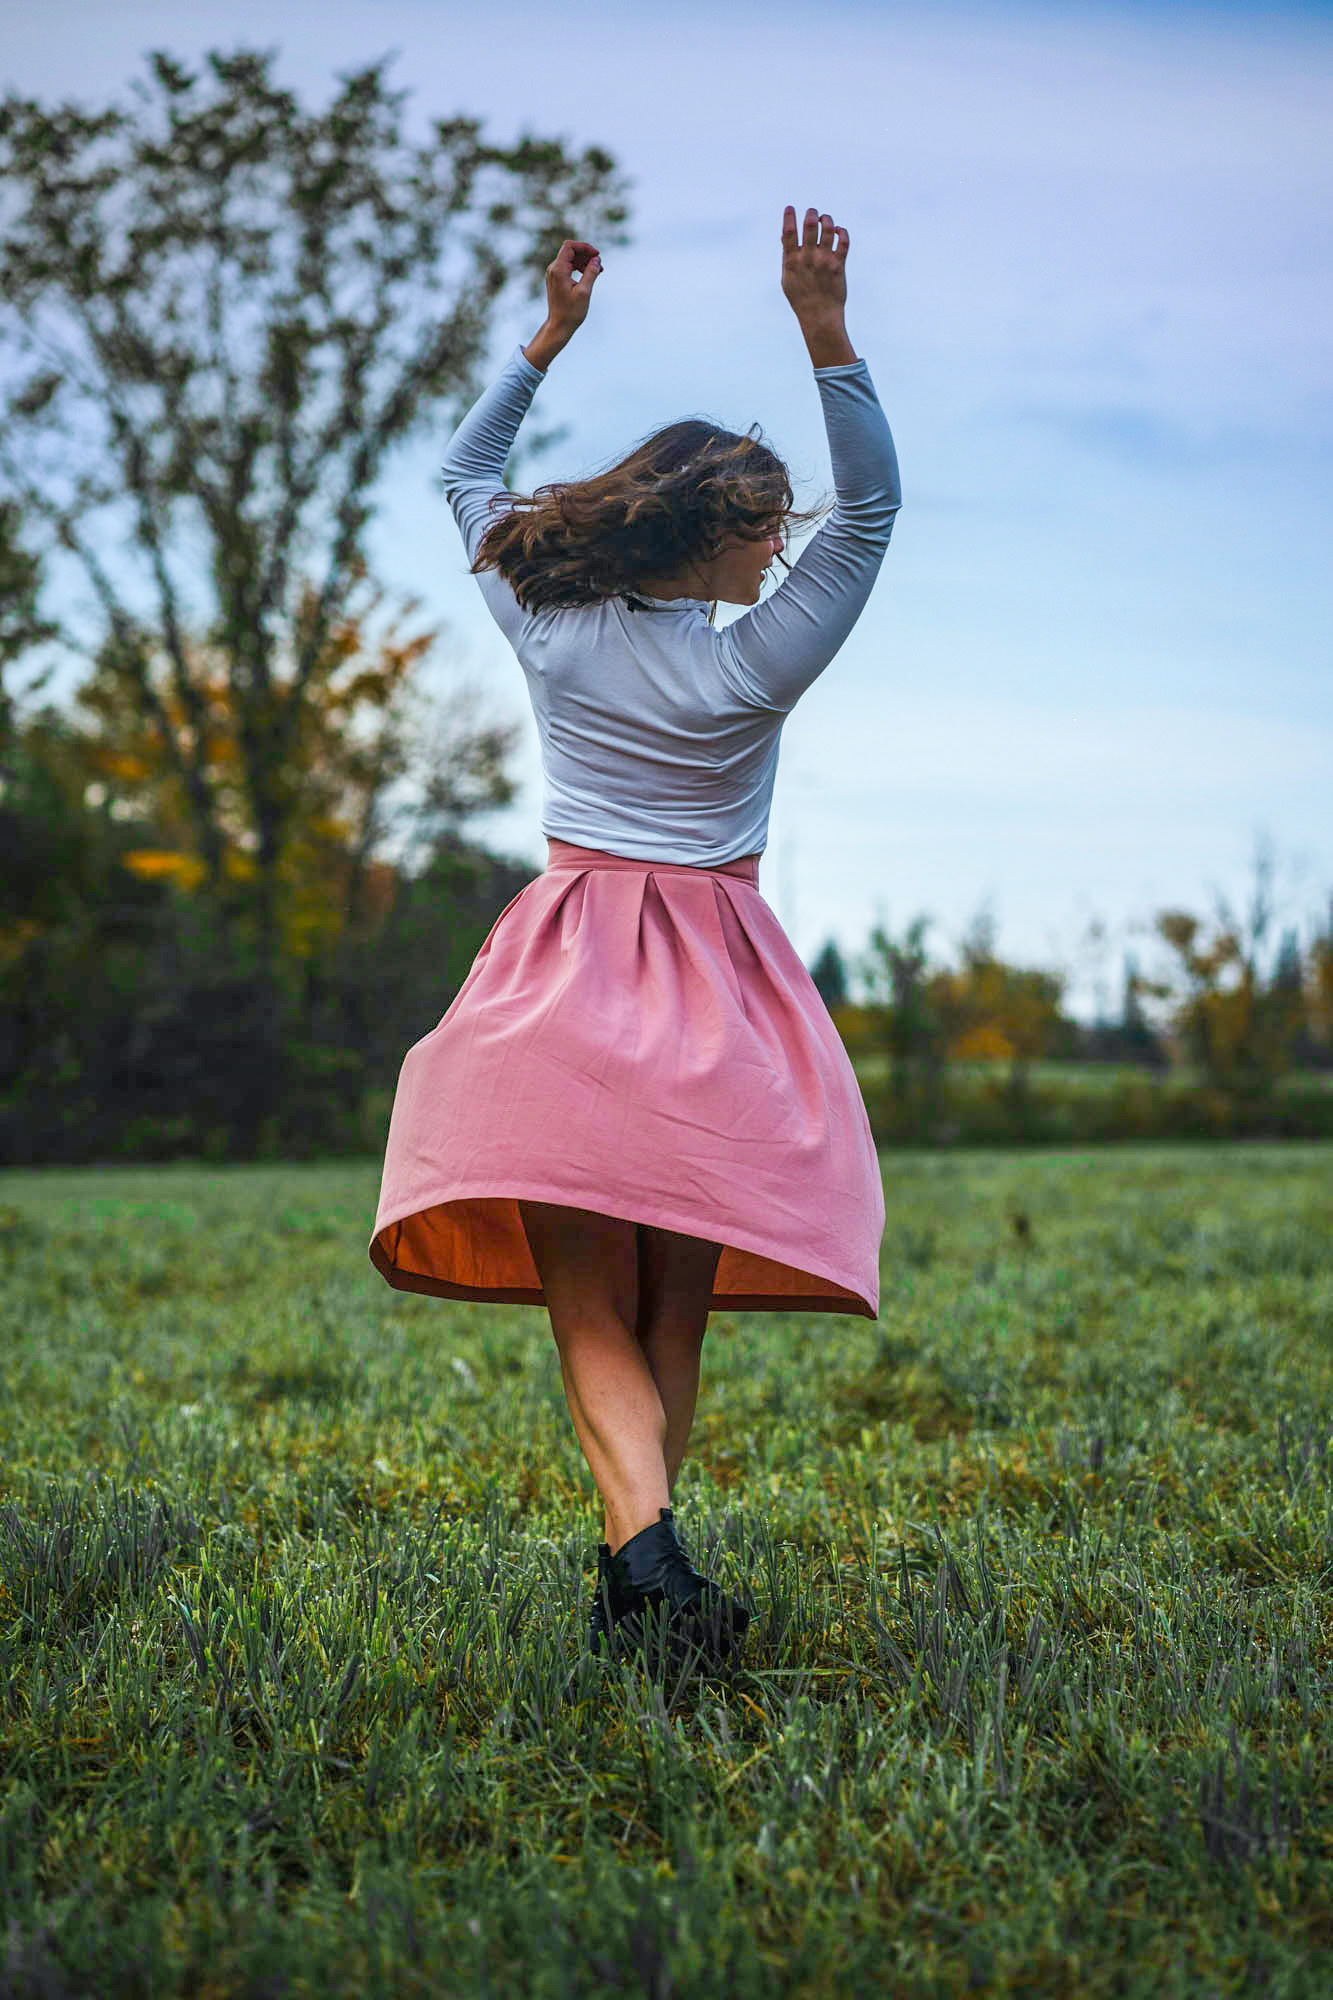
pixel 567 296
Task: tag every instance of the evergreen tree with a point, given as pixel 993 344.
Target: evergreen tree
pixel 830 975
pixel 1138 1043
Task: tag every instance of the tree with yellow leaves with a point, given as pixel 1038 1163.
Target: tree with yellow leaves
pixel 997 1011
pixel 365 755
pixel 1240 1029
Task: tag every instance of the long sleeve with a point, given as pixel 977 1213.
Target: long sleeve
pixel 775 651
pixel 474 463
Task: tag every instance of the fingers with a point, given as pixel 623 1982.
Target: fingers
pixel 818 232
pixel 574 255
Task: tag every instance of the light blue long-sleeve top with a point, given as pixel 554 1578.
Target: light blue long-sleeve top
pixel 659 732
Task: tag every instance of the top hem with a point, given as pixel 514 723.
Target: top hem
pixel 657 855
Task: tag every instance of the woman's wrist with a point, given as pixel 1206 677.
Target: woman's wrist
pixel 546 343
pixel 827 342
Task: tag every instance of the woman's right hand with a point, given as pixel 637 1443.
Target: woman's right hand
pixel 570 277
pixel 814 273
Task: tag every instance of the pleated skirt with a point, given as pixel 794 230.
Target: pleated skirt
pixel 639 1038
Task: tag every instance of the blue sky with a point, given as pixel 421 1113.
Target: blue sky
pixel 1090 273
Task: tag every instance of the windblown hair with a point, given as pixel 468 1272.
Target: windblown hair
pixel 674 501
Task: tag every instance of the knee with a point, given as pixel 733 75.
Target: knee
pixel 592 1329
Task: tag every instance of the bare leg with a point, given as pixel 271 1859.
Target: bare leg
pixel 588 1266
pixel 675 1284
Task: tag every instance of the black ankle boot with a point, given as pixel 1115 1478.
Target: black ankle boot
pixel 652 1570
pixel 601 1625
pixel 610 1604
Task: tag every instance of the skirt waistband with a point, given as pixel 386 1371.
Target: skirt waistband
pixel 565 854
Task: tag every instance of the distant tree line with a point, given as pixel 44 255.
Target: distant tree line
pixel 1226 1019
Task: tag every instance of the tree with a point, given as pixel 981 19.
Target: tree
pixel 830 975
pixel 1238 1028
pixel 22 626
pixel 224 313
pixel 895 977
pixel 1286 1003
pixel 1319 990
pixel 1138 1043
pixel 998 1012
pixel 367 735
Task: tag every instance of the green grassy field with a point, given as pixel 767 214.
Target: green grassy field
pixel 294 1574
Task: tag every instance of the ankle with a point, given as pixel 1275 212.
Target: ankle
pixel 653 1564
pixel 622 1528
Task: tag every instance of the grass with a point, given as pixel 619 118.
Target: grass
pixel 294 1575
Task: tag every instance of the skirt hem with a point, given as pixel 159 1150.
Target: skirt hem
pixel 850 1300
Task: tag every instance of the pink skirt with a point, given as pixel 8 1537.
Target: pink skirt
pixel 639 1038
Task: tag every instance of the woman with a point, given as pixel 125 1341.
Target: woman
pixel 637 1109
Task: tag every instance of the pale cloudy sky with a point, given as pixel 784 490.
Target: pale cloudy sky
pixel 1090 273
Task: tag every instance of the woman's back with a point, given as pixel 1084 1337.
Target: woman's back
pixel 659 732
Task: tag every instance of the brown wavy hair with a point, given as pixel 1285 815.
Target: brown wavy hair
pixel 674 500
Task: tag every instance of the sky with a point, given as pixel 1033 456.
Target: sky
pixel 1090 273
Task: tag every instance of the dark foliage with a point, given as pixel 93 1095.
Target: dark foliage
pixel 830 975
pixel 134 1031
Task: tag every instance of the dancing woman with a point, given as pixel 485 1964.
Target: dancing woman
pixel 637 1110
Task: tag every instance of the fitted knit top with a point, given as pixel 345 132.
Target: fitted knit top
pixel 659 732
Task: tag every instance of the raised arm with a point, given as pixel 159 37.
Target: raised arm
pixel 774 652
pixel 474 463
